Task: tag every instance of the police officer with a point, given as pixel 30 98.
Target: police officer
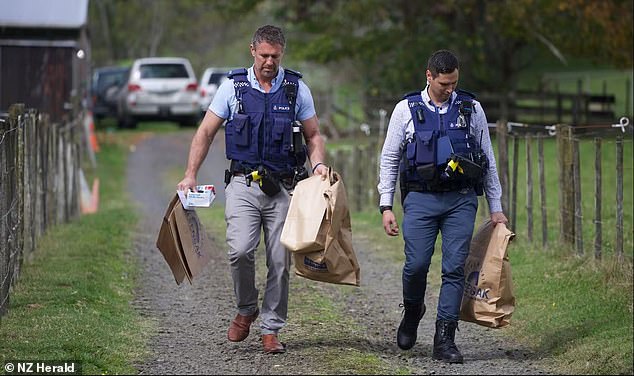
pixel 438 144
pixel 261 104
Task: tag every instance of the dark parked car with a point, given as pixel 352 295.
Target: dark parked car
pixel 106 82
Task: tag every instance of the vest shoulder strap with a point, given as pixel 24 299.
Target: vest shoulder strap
pixel 237 72
pixel 291 87
pixel 293 72
pixel 465 95
pixel 412 93
pixel 416 107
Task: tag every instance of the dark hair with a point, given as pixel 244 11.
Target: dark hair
pixel 442 61
pixel 269 34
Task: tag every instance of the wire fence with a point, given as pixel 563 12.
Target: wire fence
pixel 558 189
pixel 39 185
pixel 570 188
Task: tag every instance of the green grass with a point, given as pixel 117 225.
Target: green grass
pixel 573 312
pixel 72 300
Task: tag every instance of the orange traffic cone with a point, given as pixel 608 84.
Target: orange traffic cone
pixel 92 136
pixel 89 201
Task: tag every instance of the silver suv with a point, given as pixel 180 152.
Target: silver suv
pixel 209 82
pixel 159 88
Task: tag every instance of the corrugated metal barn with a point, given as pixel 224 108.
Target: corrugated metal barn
pixel 44 55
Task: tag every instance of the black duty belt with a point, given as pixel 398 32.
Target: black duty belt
pixel 238 168
pixel 422 187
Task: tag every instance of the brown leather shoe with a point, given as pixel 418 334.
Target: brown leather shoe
pixel 272 345
pixel 239 328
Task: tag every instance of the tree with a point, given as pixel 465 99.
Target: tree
pixel 382 45
pixel 495 40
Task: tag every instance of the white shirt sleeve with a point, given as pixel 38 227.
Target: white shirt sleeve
pixel 492 187
pixel 391 152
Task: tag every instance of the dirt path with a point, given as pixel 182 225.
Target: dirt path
pixel 193 319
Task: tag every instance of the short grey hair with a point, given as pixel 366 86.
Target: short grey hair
pixel 269 34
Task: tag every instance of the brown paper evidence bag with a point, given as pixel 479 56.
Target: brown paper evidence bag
pixel 318 231
pixel 488 298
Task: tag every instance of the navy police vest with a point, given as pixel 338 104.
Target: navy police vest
pixel 437 138
pixel 260 133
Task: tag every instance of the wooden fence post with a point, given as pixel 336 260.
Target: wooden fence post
pixel 566 191
pixel 529 188
pixel 578 219
pixel 503 162
pixel 60 179
pixel 40 188
pixel 75 163
pixel 598 234
pixel 516 148
pixel 27 182
pixel 53 172
pixel 619 198
pixel 371 176
pixel 6 136
pixel 357 172
pixel 20 187
pixel 542 189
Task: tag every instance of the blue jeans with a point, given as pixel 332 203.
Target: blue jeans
pixel 425 214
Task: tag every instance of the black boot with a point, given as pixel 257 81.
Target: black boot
pixel 406 335
pixel 444 346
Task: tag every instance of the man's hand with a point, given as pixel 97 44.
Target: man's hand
pixel 389 223
pixel 186 184
pixel 499 217
pixel 322 170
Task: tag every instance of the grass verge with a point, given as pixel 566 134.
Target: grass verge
pixel 72 300
pixel 576 311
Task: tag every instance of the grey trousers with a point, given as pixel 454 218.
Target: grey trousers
pixel 247 211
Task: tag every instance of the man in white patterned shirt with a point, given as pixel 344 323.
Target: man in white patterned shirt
pixel 438 145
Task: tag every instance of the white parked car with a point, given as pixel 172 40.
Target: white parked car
pixel 159 88
pixel 209 83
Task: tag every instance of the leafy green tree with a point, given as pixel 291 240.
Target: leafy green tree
pixel 388 42
pixel 206 32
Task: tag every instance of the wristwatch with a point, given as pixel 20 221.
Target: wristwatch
pixel 383 208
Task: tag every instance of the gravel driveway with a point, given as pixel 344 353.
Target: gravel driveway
pixel 193 319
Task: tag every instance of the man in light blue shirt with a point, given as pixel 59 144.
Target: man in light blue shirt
pixel 224 103
pixel 261 105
